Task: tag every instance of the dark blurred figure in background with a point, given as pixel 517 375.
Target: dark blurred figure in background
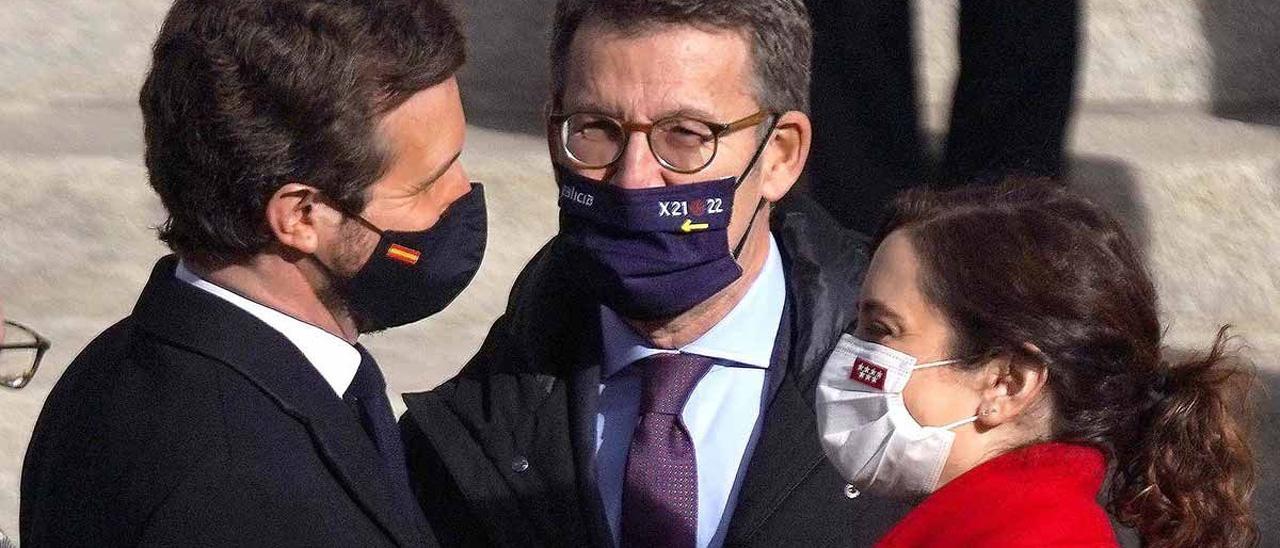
pixel 1009 114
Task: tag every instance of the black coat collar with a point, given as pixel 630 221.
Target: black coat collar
pixel 555 333
pixel 187 317
pixel 549 337
pixel 825 264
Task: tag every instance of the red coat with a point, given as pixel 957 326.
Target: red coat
pixel 1042 495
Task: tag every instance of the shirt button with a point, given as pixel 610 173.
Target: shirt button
pixel 850 491
pixel 519 464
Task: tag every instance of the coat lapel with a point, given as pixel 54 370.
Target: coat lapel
pixel 573 354
pixel 584 397
pixel 188 317
pixel 787 452
pixel 565 335
pixel 822 288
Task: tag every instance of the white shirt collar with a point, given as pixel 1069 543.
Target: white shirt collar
pixel 745 335
pixel 335 359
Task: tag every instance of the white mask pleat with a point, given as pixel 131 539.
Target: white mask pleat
pixel 866 429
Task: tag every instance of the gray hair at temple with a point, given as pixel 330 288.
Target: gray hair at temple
pixel 778 32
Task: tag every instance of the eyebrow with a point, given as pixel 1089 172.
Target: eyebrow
pixel 690 112
pixel 438 173
pixel 687 112
pixel 874 306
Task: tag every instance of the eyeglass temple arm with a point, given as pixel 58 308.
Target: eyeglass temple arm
pixel 743 123
pixel 38 345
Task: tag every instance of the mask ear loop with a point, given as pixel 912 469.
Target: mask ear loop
pixel 959 423
pixel 333 204
pixel 939 363
pixel 974 358
pixel 360 220
pixel 367 224
pixel 755 212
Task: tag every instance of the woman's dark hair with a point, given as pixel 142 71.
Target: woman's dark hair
pixel 1029 262
pixel 244 96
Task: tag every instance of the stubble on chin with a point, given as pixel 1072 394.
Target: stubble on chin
pixel 354 250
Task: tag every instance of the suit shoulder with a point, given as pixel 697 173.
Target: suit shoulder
pixel 124 360
pixel 127 423
pixel 127 379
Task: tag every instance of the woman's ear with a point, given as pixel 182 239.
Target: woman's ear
pixel 784 159
pixel 1011 387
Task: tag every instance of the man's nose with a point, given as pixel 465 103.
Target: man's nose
pixel 452 185
pixel 637 167
pixel 458 181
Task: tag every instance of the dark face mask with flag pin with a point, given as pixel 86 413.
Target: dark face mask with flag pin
pixel 652 253
pixel 412 275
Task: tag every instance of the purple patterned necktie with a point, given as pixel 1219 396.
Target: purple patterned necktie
pixel 660 492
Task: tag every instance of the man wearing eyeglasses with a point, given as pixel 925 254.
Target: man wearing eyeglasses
pixel 651 383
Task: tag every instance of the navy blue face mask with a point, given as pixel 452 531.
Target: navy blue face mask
pixel 652 253
pixel 412 275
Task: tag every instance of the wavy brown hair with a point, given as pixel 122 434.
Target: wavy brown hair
pixel 244 96
pixel 1029 262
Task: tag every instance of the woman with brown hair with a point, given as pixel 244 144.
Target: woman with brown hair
pixel 1007 359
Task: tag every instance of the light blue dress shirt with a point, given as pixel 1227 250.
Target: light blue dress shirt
pixel 722 414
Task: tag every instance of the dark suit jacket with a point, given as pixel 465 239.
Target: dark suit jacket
pixel 192 423
pixel 504 452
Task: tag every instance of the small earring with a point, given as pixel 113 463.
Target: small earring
pixel 990 411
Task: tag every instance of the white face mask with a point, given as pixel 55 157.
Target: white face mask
pixel 865 427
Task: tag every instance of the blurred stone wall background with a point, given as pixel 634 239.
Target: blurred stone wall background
pixel 1178 132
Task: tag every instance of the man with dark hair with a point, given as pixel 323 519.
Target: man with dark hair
pixel 307 154
pixel 652 381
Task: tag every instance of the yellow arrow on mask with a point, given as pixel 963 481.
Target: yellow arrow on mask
pixel 690 226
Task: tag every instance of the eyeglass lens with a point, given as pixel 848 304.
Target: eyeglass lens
pixel 681 143
pixel 18 354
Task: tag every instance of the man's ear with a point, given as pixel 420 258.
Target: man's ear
pixel 1012 386
pixel 784 159
pixel 292 217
